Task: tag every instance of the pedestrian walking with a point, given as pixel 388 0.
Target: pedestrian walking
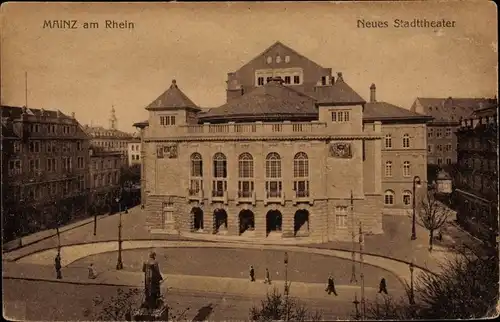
pixel 383 286
pixel 57 265
pixel 252 274
pixel 92 274
pixel 331 286
pixel 268 277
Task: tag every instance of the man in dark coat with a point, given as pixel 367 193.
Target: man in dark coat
pixel 57 264
pixel 252 274
pixel 152 279
pixel 331 286
pixel 382 287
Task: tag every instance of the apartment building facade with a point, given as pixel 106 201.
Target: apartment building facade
pixel 47 166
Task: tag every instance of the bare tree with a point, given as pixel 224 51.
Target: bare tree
pixel 433 214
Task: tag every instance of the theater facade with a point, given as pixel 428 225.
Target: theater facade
pixel 295 152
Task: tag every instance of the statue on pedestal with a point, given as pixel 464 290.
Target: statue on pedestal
pixel 153 308
pixel 152 280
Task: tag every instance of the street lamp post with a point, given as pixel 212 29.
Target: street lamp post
pixel 416 182
pixel 356 303
pixel 119 264
pixel 353 255
pixel 286 285
pixel 412 294
pixel 362 275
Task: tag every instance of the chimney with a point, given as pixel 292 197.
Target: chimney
pixel 373 97
pixel 174 84
pixel 73 115
pixel 58 114
pixel 42 111
pixel 332 80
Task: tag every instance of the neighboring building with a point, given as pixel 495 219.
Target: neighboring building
pixel 110 139
pixel 285 156
pixel 446 114
pixel 444 184
pixel 404 154
pixel 476 193
pixel 47 166
pixel 134 150
pixel 105 176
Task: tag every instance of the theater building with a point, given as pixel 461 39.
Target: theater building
pixel 294 152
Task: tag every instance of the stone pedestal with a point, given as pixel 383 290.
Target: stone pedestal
pixel 146 314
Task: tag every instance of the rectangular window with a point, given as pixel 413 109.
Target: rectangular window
pixel 273 189
pixel 439 133
pixel 79 146
pixel 268 79
pixel 288 80
pixel 440 161
pixel 448 161
pixel 448 148
pixel 448 132
pixel 14 167
pixel 301 188
pixel 440 148
pixel 17 147
pixel 340 116
pixel 167 120
pixel 34 147
pixel 341 216
pixel 296 79
pixel 323 80
pixel 429 148
pixel 260 81
pixel 430 132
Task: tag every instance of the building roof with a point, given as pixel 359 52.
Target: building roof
pixel 273 101
pixel 172 98
pixel 452 109
pixel 8 132
pixel 101 132
pixel 383 111
pixel 338 93
pixel 443 175
pixel 15 112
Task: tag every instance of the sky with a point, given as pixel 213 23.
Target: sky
pixel 87 71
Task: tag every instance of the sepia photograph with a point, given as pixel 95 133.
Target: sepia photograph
pixel 249 161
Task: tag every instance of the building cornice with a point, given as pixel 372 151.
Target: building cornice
pixel 265 138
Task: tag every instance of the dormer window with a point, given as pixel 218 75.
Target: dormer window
pixel 167 120
pixel 288 79
pixel 340 116
pixel 260 81
pixel 269 59
pixel 296 79
pixel 323 80
pixel 269 79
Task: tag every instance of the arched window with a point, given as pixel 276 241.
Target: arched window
pixel 273 165
pixel 388 141
pixel 196 182
pixel 219 184
pixel 388 169
pixel 220 166
pixel 245 184
pixel 406 140
pixel 196 165
pixel 245 165
pixel 406 197
pixel 301 165
pixel 273 175
pixel 301 173
pixel 406 169
pixel 389 197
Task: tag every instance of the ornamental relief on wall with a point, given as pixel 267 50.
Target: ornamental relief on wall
pixel 341 150
pixel 168 151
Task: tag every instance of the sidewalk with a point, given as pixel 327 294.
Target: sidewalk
pixel 219 285
pixel 45 234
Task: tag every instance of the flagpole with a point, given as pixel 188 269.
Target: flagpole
pixel 26 88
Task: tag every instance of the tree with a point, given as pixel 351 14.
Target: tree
pixel 433 214
pixel 116 308
pixel 466 288
pixel 121 306
pixel 278 307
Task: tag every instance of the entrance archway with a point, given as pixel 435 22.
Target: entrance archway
pixel 220 220
pixel 301 222
pixel 247 220
pixel 274 220
pixel 197 214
